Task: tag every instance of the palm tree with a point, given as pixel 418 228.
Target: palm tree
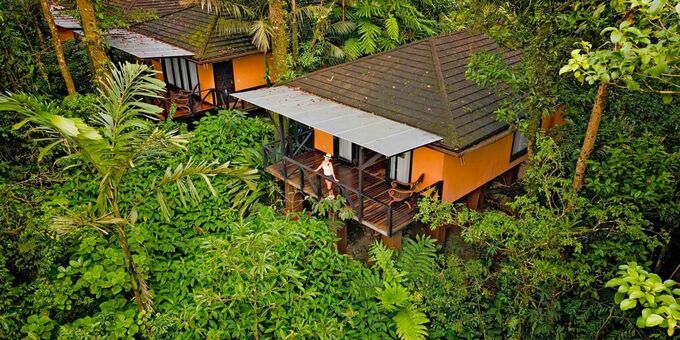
pixel 118 138
pixel 63 67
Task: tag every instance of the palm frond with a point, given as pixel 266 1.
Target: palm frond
pixel 261 33
pixel 224 8
pixel 229 27
pixel 71 222
pixel 182 176
pixel 352 48
pixel 342 27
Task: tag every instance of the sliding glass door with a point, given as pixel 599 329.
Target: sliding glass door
pixel 399 167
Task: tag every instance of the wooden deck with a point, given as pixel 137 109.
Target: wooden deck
pixel 375 200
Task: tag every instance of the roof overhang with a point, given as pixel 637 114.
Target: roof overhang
pixel 368 130
pixel 142 46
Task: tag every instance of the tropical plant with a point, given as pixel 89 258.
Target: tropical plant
pixel 382 25
pixel 333 208
pixel 401 275
pixel 119 138
pixel 643 55
pixel 433 211
pixel 660 301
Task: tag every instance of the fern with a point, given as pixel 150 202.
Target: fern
pixel 393 296
pixel 411 324
pixel 392 28
pixel 352 48
pixel 383 259
pixel 417 258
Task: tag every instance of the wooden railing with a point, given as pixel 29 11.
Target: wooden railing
pixel 306 177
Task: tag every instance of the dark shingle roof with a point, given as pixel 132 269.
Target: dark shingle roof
pixel 194 29
pixel 159 7
pixel 420 84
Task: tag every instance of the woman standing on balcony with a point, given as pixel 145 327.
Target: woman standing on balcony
pixel 328 170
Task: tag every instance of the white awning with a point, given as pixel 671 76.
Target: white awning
pixel 142 46
pixel 368 130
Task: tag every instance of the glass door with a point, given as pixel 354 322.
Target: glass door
pixel 345 150
pixel 399 167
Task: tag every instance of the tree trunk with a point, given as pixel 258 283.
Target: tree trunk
pixel 279 39
pixel 94 41
pixel 139 288
pixel 130 268
pixel 343 10
pixel 532 129
pixel 63 67
pixel 591 135
pixel 295 45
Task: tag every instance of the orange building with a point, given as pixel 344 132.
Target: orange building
pixel 395 124
pixel 200 65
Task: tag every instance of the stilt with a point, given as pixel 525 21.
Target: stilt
pixel 294 199
pixel 510 176
pixel 474 199
pixel 438 234
pixel 341 231
pixel 393 242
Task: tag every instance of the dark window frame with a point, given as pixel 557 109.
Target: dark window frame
pixel 515 155
pixel 410 166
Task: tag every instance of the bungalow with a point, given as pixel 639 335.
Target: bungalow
pixel 200 65
pixel 396 123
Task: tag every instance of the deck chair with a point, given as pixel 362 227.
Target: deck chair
pixel 402 192
pixel 182 101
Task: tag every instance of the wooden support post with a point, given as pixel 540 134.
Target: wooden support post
pixel 438 234
pixel 510 176
pixel 341 231
pixel 361 184
pixel 294 198
pixel 475 198
pixel 393 242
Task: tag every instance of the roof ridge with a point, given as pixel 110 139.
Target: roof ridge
pixel 208 35
pixel 440 76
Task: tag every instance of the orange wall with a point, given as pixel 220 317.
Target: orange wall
pixel 206 79
pixel 248 71
pixel 157 66
pixel 475 168
pixel 429 162
pixel 65 34
pixel 323 141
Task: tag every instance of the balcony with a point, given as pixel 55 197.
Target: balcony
pixel 365 187
pixel 190 104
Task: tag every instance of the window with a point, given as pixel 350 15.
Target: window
pixel 345 150
pixel 399 167
pixel 180 73
pixel 519 145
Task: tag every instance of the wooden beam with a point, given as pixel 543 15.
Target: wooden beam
pixel 393 242
pixel 369 162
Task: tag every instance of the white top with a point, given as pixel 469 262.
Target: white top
pixel 327 169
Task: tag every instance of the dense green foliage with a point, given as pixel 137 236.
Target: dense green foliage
pixel 220 260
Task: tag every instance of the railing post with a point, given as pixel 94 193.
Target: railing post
pixel 318 186
pixel 302 179
pixel 389 220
